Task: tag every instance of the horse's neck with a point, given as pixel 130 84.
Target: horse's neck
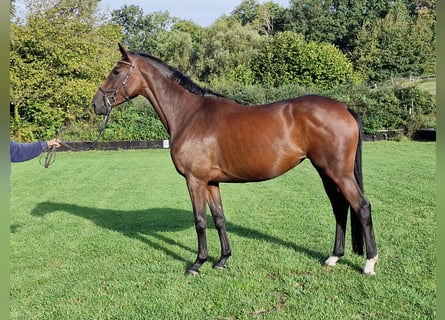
pixel 173 103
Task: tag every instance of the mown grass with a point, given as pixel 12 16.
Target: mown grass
pixel 429 86
pixel 108 235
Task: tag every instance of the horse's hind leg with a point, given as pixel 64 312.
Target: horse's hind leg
pixel 362 208
pixel 215 204
pixel 340 208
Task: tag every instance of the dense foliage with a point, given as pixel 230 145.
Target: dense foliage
pixel 306 63
pixel 61 50
pixel 57 59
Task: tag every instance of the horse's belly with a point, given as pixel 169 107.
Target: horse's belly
pixel 257 166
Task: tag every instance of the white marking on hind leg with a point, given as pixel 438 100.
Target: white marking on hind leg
pixel 369 266
pixel 331 261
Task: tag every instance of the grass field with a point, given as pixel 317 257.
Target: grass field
pixel 429 86
pixel 108 235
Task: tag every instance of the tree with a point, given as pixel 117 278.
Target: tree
pixel 397 45
pixel 224 45
pixel 12 8
pixel 425 6
pixel 287 58
pixel 335 21
pixel 267 18
pixel 58 57
pixel 246 12
pixel 178 47
pixel 143 32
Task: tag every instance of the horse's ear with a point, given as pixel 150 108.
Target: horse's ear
pixel 123 51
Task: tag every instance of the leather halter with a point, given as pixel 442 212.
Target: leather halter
pixel 109 96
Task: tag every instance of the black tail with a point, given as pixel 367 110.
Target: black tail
pixel 356 226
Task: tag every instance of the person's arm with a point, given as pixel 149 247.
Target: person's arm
pixel 20 152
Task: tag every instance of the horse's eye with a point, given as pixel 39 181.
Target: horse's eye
pixel 116 71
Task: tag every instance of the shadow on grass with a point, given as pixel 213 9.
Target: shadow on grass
pixel 142 225
pixel 150 223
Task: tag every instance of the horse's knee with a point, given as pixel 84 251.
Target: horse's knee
pixel 200 225
pixel 220 222
pixel 365 211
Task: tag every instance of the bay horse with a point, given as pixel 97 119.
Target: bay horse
pixel 215 140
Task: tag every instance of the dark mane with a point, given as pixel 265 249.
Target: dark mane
pixel 178 76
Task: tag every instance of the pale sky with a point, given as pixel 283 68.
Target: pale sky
pixel 202 12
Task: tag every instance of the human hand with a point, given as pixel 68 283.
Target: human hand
pixel 53 143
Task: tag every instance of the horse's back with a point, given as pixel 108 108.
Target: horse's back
pixel 327 116
pixel 266 141
pixel 315 119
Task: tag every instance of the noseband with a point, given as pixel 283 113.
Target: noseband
pixel 109 96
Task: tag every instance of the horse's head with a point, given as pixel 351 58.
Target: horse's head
pixel 118 87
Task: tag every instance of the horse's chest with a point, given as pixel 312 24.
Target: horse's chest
pixel 197 158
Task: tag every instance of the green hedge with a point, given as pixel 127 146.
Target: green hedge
pixel 390 107
pixel 402 108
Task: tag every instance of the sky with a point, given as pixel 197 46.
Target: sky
pixel 202 12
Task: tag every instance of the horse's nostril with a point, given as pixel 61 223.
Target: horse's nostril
pixel 93 105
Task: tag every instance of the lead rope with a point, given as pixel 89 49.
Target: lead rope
pixel 49 157
pixel 101 131
pixel 109 101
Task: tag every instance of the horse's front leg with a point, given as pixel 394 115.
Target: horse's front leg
pixel 215 204
pixel 198 192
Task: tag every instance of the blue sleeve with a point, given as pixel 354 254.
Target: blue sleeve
pixel 20 152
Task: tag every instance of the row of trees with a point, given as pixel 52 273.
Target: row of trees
pixel 61 50
pixel 382 38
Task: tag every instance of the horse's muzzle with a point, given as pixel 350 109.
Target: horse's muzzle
pixel 99 109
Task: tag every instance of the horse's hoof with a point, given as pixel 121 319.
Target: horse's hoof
pixel 191 272
pixel 220 267
pixel 331 261
pixel 370 273
pixel 369 266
